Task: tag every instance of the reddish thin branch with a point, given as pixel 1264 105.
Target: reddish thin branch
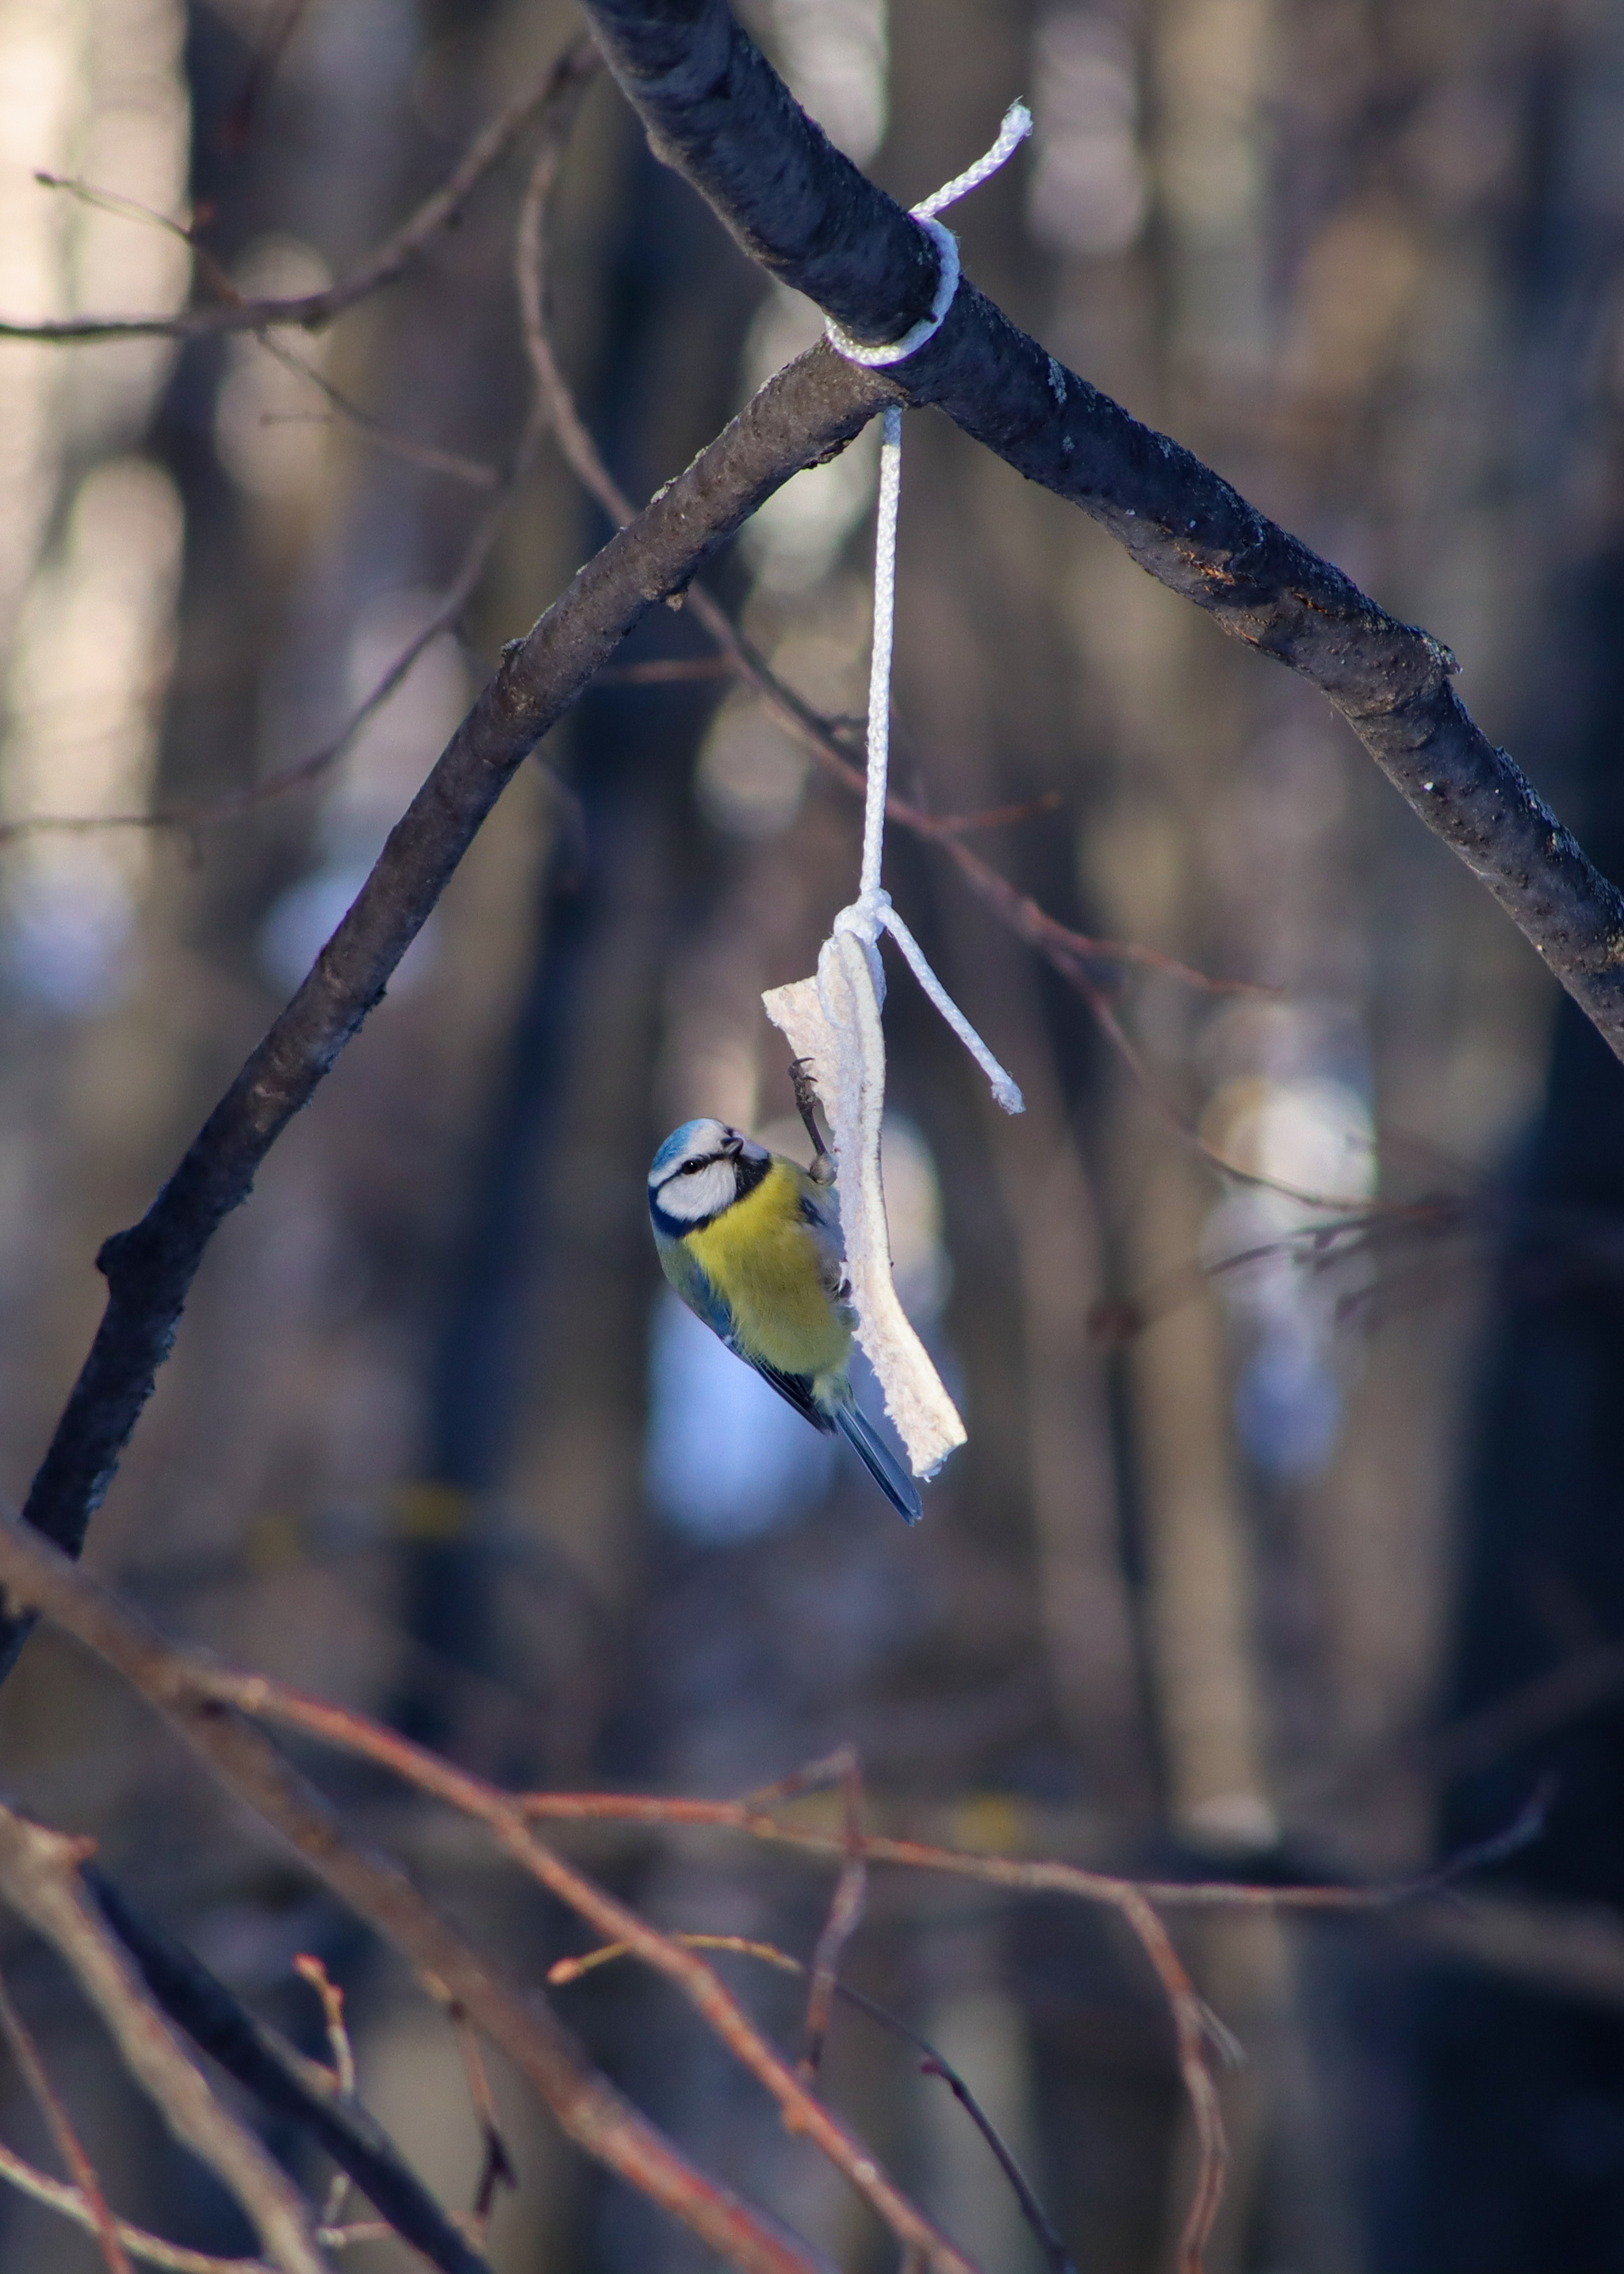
pixel 56 2195
pixel 496 2169
pixel 195 1692
pixel 206 1702
pixel 47 2101
pixel 512 2014
pixel 1191 2038
pixel 845 1911
pixel 934 2064
pixel 711 1999
pixel 311 1970
pixel 39 1876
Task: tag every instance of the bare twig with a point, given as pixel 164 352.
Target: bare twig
pixel 1314 1246
pixel 71 2201
pixel 438 212
pixel 511 2014
pixel 934 2064
pixel 470 471
pixel 555 109
pixel 195 1693
pixel 153 2249
pixel 1190 2030
pixel 1026 1876
pixel 297 2089
pixel 497 2168
pixel 276 35
pixel 48 2103
pixel 845 1912
pixel 40 1876
pixel 311 1969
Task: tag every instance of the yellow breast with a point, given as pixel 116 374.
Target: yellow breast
pixel 763 1258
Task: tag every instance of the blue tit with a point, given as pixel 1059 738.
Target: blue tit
pixel 752 1245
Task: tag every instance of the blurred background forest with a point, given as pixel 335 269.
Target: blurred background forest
pixel 1288 1539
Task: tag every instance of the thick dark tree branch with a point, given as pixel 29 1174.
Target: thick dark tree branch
pixel 714 109
pixel 813 408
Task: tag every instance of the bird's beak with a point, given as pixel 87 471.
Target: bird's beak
pixel 733 1146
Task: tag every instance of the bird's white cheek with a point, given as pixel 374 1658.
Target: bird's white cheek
pixel 690 1199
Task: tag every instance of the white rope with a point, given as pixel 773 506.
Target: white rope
pixel 1003 1089
pixel 833 1019
pixel 871 912
pixel 880 656
pixel 1017 126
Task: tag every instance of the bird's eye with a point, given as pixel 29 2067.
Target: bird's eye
pixel 693 1168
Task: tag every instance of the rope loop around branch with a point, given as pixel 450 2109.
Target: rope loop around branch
pixel 1017 125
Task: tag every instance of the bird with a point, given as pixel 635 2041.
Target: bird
pixel 749 1241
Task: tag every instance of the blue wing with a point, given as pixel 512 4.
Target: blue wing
pixel 706 1301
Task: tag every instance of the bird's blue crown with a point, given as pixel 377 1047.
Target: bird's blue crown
pixel 680 1142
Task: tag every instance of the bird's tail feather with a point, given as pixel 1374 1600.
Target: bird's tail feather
pixel 881 1464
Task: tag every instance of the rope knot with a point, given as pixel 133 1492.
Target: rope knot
pixel 866 916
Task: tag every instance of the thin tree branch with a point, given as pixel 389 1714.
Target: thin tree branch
pixel 310 1969
pixel 934 2064
pixel 191 1693
pixel 470 470
pixel 845 1912
pixel 555 110
pixel 438 212
pixel 205 1701
pixel 1027 1876
pixel 39 1878
pixel 46 2099
pixel 55 2195
pixel 510 2013
pixel 276 35
pixel 283 2080
pixel 153 2249
pixel 497 2169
